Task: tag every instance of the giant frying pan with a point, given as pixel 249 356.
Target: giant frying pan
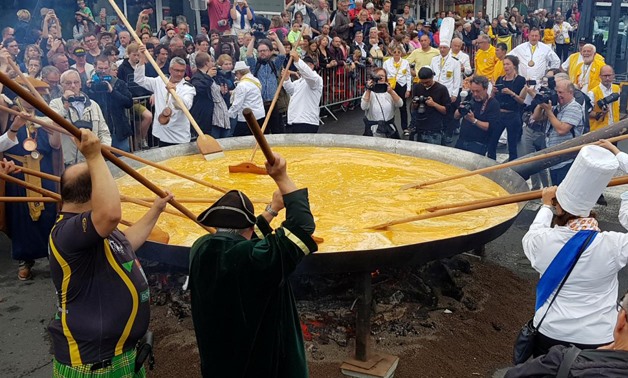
pixel 363 260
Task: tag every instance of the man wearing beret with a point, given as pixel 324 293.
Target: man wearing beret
pixel 243 308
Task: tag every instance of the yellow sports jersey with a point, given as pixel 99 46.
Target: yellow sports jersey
pixel 485 62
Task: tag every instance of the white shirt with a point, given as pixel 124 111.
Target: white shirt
pixel 605 92
pixel 178 129
pixel 447 72
pixel 375 112
pixel 584 311
pixel 465 61
pixel 561 32
pixel 305 95
pixel 544 58
pixel 402 75
pixel 583 79
pixel 5 142
pixel 247 95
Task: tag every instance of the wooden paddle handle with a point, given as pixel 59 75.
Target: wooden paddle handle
pixel 73 130
pixel 163 77
pixel 27 199
pixel 276 96
pixel 29 186
pixel 259 136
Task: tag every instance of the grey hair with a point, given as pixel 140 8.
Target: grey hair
pixel 177 60
pixel 561 76
pixel 68 73
pixel 590 46
pixel 47 70
pixel 484 37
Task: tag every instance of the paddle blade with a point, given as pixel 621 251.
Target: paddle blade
pixel 247 168
pixel 158 235
pixel 209 147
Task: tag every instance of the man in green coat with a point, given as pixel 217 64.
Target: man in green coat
pixel 243 308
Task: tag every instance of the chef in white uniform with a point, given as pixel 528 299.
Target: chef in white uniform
pixel 447 68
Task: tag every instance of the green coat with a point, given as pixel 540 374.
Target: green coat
pixel 243 308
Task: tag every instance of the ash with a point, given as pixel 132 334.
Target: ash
pixel 402 301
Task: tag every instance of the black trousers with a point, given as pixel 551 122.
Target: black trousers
pixel 165 144
pixel 542 344
pixel 275 123
pixel 302 128
pixel 562 50
pixel 242 129
pixel 512 123
pixel 401 92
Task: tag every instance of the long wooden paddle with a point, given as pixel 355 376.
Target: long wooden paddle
pixel 208 146
pixel 70 128
pixel 481 204
pixel 162 167
pixel 508 164
pixel 249 166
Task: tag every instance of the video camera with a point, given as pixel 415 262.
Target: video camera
pixel 376 86
pixel 465 104
pixel 547 94
pixel 99 82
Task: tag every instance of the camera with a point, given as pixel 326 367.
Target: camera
pixel 500 87
pixel 419 102
pixel 465 104
pixel 603 103
pixel 531 83
pixel 547 94
pixel 259 32
pixel 99 82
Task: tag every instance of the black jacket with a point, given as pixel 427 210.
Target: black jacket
pixel 126 73
pixel 113 107
pixel 599 363
pixel 203 106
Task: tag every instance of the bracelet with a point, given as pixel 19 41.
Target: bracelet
pixel 270 211
pixel 548 206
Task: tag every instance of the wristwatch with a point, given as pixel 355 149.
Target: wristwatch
pixel 269 210
pixel 475 121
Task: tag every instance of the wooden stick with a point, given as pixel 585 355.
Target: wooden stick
pixel 27 199
pixel 39 174
pixel 29 186
pixel 46 125
pixel 123 153
pixel 467 203
pixel 498 201
pixel 139 202
pixel 276 96
pixel 508 164
pixel 208 146
pixel 259 135
pixel 69 127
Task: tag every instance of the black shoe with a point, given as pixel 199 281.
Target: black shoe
pixel 602 201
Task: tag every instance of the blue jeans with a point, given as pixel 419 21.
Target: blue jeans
pixel 558 175
pixel 121 144
pixel 431 137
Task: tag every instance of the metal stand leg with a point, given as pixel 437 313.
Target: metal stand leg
pixel 366 363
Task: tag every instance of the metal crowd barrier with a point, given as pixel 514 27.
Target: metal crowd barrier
pixel 342 86
pixel 137 115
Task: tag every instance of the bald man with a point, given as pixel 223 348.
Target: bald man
pixel 607 115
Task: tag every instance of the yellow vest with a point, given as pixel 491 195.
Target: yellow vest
pixel 574 65
pixel 485 62
pixel 598 95
pixel 594 73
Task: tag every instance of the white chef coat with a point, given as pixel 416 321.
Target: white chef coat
pixel 178 129
pixel 544 58
pixel 584 311
pixel 5 142
pixel 447 72
pixel 305 95
pixel 402 75
pixel 464 60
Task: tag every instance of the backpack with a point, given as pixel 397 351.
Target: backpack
pixel 284 99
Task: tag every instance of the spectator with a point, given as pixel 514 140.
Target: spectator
pixel 342 24
pixel 362 24
pixel 84 69
pixel 485 58
pixel 379 103
pixel 162 27
pixel 162 58
pixel 14 49
pixel 183 32
pixel 76 107
pixel 201 43
pixel 563 41
pixel 400 79
pixel 33 67
pixel 124 37
pixel 313 54
pixel 322 14
pixel 209 107
pixel 242 17
pixel 51 76
pixel 81 26
pixel 501 49
pixel 170 33
pixel 218 11
pixel 248 94
pixel 92 47
pixel 423 56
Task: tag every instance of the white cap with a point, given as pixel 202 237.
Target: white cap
pixel 586 180
pixel 447 27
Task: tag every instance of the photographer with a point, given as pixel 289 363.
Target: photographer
pixel 562 123
pixel 480 113
pixel 76 107
pixel 113 96
pixel 430 102
pixel 605 94
pixel 379 103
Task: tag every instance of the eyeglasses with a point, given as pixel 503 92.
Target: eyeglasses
pixel 78 82
pixel 609 75
pixel 263 50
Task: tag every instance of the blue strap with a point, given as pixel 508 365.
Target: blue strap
pixel 561 264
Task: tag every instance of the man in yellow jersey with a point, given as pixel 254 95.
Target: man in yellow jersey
pixel 609 113
pixel 572 63
pixel 103 296
pixel 485 57
pixel 423 56
pixel 586 73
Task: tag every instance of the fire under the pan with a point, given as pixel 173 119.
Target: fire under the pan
pixel 349 189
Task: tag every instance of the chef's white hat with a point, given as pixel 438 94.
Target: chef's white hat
pixel 586 180
pixel 447 27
